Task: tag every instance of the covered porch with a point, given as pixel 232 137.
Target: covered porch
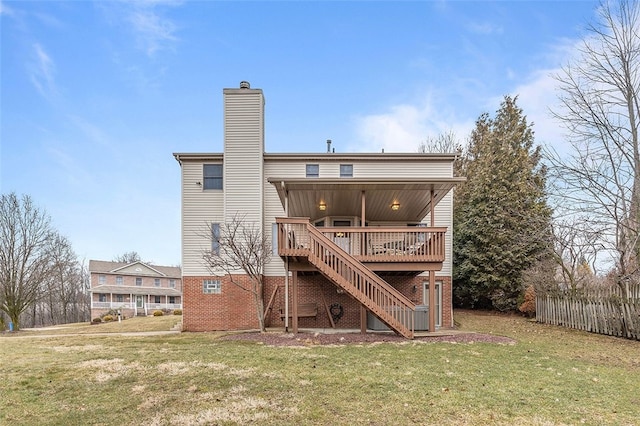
pixel 347 229
pixel 134 301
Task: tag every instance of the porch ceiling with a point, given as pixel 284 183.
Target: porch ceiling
pixel 342 197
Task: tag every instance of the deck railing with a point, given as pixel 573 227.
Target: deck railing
pixel 297 237
pixel 371 244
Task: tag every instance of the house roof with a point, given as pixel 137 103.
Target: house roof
pixel 371 156
pixel 134 268
pixel 343 197
pixel 121 289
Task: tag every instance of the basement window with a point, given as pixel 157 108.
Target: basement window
pixel 211 287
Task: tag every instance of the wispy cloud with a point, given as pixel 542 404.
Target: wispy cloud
pixel 403 127
pixel 41 72
pixel 485 28
pixel 49 20
pixel 5 10
pixel 152 29
pixel 538 94
pixel 91 132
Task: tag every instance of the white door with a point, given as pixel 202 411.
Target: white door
pixel 438 300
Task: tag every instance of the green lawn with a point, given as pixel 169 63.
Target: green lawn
pixel 550 376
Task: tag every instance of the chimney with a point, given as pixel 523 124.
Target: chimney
pixel 243 168
pixel 328 146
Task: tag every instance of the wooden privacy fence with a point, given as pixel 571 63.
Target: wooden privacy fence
pixel 610 311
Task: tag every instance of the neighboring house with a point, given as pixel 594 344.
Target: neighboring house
pixel 133 288
pixel 360 240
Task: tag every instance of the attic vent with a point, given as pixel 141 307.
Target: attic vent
pixel 245 85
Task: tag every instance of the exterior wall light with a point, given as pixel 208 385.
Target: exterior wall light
pixel 322 206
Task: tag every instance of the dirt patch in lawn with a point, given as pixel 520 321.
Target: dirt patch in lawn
pixel 312 339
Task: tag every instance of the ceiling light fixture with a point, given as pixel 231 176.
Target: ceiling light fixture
pixel 322 206
pixel 395 205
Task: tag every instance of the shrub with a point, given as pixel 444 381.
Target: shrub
pixel 528 307
pixel 107 318
pixel 96 320
pixel 157 313
pixel 177 312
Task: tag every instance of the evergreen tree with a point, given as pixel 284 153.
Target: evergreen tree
pixel 501 218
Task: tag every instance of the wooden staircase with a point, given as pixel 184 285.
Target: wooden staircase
pixel 355 278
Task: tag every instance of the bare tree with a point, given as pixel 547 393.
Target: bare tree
pixel 64 290
pixel 575 249
pixel 600 107
pixel 443 143
pixel 240 246
pixel 25 239
pixel 128 257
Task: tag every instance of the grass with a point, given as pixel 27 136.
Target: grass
pixel 129 325
pixel 551 376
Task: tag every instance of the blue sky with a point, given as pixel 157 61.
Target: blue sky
pixel 96 96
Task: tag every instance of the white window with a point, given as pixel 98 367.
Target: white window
pixel 211 287
pixel 212 176
pixel 119 281
pixel 102 297
pixel 172 299
pixel 138 281
pixel 215 238
pixel 313 170
pixel 172 283
pixel 119 298
pixel 346 170
pixel 156 299
pixel 438 300
pixel 156 282
pixel 102 279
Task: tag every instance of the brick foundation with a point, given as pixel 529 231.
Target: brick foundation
pixel 234 308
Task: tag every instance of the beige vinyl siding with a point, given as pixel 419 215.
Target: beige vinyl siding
pixel 243 154
pixel 444 217
pixel 400 169
pixel 391 168
pixel 273 207
pixel 199 209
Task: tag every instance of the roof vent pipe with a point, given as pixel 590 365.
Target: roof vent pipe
pixel 245 85
pixel 328 146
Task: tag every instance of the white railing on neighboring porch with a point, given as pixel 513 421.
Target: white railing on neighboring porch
pixel 164 305
pixel 113 305
pixel 132 305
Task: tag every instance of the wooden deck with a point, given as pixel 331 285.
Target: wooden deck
pixel 346 255
pixel 382 248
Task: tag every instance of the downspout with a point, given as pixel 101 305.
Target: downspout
pixel 363 248
pixel 432 276
pixel 286 262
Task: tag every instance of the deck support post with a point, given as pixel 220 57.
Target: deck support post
pixel 432 301
pixel 432 275
pixel 363 319
pixel 294 301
